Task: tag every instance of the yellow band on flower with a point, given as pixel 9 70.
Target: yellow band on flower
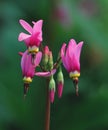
pixel 33 49
pixel 27 79
pixel 74 75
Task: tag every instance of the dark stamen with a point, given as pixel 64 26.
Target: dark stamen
pixel 33 58
pixel 26 87
pixel 75 81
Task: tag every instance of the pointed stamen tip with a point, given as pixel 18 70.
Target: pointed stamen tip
pixel 33 59
pixel 24 96
pixel 77 94
pixel 26 87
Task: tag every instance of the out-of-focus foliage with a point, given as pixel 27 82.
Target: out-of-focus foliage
pixel 83 20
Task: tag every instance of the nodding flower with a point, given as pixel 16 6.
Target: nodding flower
pixel 71 60
pixel 28 69
pixel 34 38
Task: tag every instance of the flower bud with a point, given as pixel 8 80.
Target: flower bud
pixel 60 83
pixel 52 89
pixel 52 94
pixel 50 61
pixel 45 56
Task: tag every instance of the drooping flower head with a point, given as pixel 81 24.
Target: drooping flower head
pixel 71 59
pixel 28 69
pixel 34 38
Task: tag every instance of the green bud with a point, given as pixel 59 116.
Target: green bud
pixel 50 61
pixel 60 77
pixel 45 59
pixel 45 56
pixel 52 83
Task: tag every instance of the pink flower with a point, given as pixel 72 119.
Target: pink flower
pixel 34 38
pixel 28 69
pixel 71 57
pixel 71 60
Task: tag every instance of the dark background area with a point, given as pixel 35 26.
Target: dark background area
pixel 83 20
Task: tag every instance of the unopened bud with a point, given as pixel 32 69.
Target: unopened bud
pixel 45 55
pixel 52 89
pixel 60 77
pixel 59 89
pixel 60 83
pixel 52 94
pixel 50 61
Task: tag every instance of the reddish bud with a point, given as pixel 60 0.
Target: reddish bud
pixel 46 50
pixel 52 94
pixel 60 82
pixel 60 89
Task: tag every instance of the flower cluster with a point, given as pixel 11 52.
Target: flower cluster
pixel 36 56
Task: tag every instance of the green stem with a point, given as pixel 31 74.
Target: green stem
pixel 47 114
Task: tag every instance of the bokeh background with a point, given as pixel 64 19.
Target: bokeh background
pixel 83 20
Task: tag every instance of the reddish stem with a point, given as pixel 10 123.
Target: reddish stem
pixel 47 114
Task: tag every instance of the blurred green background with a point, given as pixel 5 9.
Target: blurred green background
pixel 83 20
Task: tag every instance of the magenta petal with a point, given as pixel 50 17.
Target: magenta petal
pixel 27 68
pixel 73 43
pixel 45 74
pixel 64 60
pixel 26 26
pixel 75 63
pixel 23 61
pixel 62 52
pixel 23 36
pixel 71 47
pixel 37 26
pixel 78 50
pixel 38 58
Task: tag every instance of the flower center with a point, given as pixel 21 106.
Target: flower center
pixel 74 74
pixel 27 79
pixel 33 49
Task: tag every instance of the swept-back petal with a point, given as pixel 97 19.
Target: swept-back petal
pixel 71 46
pixel 68 59
pixel 73 43
pixel 38 58
pixel 26 26
pixel 78 50
pixel 64 57
pixel 27 68
pixel 45 74
pixel 23 61
pixel 22 36
pixel 75 65
pixel 62 51
pixel 37 26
